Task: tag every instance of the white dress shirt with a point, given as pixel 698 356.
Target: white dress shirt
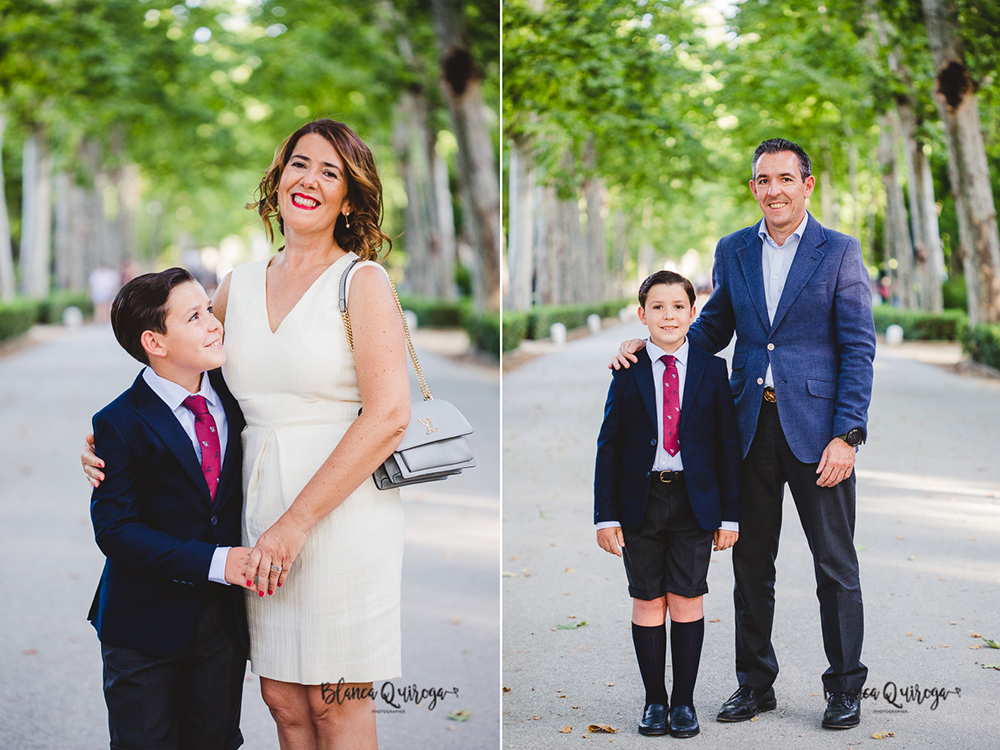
pixel 173 396
pixel 776 260
pixel 663 461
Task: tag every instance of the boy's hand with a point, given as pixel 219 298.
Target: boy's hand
pixel 626 354
pixel 610 539
pixel 91 463
pixel 236 567
pixel 724 539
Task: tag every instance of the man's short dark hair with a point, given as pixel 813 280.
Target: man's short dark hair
pixel 141 305
pixel 776 146
pixel 668 278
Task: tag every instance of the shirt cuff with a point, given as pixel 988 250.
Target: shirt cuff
pixel 217 570
pixel 730 526
pixel 607 525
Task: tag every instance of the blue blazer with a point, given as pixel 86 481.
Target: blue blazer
pixel 820 347
pixel 157 525
pixel 710 444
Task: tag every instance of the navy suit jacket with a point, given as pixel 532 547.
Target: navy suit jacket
pixel 709 442
pixel 157 525
pixel 820 346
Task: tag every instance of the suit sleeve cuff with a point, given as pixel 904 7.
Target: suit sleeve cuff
pixel 217 570
pixel 730 526
pixel 607 525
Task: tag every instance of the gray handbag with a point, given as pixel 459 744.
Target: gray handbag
pixel 434 446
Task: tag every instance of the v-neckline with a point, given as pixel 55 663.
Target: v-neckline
pixel 267 314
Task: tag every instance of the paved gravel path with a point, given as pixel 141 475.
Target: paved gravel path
pixel 50 665
pixel 928 534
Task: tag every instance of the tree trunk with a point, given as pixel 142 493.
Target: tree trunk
pixel 571 253
pixel 897 234
pixel 912 154
pixel 443 237
pixel 36 221
pixel 956 99
pixel 596 255
pixel 645 265
pixel 931 234
pixel 411 145
pixel 63 239
pixel 461 82
pixel 521 221
pixel 7 285
pixel 619 253
pixel 545 266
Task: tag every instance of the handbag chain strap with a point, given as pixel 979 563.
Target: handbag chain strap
pixel 425 392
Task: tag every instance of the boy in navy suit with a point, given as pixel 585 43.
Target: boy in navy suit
pixel 667 485
pixel 167 517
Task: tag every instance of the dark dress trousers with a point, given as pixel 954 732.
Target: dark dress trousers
pixel 820 347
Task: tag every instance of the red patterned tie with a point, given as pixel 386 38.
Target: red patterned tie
pixel 671 407
pixel 208 436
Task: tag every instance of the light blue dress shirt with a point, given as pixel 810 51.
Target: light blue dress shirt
pixel 776 260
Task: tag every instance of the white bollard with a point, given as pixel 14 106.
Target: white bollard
pixel 558 333
pixel 72 317
pixel 894 335
pixel 411 319
pixel 594 323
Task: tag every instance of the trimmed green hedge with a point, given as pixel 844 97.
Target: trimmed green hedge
pixel 982 343
pixel 51 308
pixel 17 317
pixel 918 325
pixel 515 328
pixel 541 318
pixel 484 331
pixel 435 313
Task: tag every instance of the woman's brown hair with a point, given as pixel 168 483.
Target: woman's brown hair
pixel 364 189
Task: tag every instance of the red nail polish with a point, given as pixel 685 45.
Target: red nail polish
pixel 262 593
pixel 249 583
pixel 279 584
pixel 270 592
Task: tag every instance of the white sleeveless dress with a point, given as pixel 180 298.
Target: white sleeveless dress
pixel 337 615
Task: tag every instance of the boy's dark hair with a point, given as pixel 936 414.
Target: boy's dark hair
pixel 141 305
pixel 776 146
pixel 668 278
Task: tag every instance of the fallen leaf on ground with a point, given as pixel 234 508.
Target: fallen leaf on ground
pixel 572 617
pixel 921 639
pixel 536 718
pixel 454 621
pixel 604 728
pixel 976 635
pixel 572 626
pixel 566 730
pixel 718 620
pixel 991 666
pixel 508 574
pixel 570 570
pixel 506 689
pixel 976 647
pixel 991 643
pixel 525 573
pixel 30 651
pixel 610 684
pixel 461 715
pixel 882 735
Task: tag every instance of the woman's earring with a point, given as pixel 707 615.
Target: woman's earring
pixel 347 220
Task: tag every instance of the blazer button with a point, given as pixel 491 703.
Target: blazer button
pixel 770 347
pixel 653 441
pixel 215 520
pixel 760 381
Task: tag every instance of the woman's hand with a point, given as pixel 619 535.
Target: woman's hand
pixel 626 354
pixel 237 560
pixel 273 556
pixel 91 463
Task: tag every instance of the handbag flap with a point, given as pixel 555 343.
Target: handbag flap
pixel 431 421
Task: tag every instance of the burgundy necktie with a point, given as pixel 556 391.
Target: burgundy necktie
pixel 671 407
pixel 208 436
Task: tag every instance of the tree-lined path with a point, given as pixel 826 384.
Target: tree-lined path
pixel 928 527
pixel 50 662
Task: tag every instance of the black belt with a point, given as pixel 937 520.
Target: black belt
pixel 668 476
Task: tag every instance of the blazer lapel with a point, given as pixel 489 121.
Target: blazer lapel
pixel 753 272
pixel 804 265
pixel 644 382
pixel 162 421
pixel 695 369
pixel 231 464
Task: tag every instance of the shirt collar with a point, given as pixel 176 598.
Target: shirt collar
pixel 799 231
pixel 173 395
pixel 655 352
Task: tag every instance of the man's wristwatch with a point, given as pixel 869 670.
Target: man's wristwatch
pixel 854 437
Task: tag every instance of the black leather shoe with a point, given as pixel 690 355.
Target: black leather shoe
pixel 843 711
pixel 683 722
pixel 654 720
pixel 746 703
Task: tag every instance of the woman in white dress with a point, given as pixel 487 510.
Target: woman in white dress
pixel 327 558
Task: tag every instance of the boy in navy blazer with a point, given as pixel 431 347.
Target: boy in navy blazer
pixel 667 485
pixel 167 517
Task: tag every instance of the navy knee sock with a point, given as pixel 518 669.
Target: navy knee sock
pixel 685 652
pixel 651 651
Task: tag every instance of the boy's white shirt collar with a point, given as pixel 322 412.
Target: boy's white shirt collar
pixel 173 395
pixel 655 352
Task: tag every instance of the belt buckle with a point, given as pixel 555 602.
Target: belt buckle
pixel 769 395
pixel 664 474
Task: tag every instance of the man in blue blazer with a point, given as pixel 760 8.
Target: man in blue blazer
pixel 167 516
pixel 667 484
pixel 798 298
